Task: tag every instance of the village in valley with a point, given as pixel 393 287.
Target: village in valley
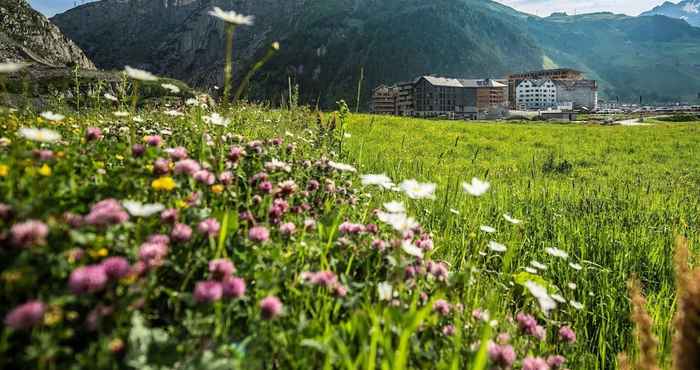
pixel 550 94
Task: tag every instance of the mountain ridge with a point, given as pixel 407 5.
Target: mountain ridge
pixel 687 10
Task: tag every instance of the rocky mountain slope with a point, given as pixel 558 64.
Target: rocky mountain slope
pixel 687 10
pixel 327 42
pixel 27 36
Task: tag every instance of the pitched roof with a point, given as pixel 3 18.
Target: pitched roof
pixel 535 83
pixel 442 81
pixel 453 82
pixel 481 83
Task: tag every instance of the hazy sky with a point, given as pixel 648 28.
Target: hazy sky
pixel 538 7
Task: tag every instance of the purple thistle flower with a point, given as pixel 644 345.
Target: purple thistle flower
pixel 158 239
pixel 5 211
pixel 93 134
pixel 137 150
pixel 25 316
pixel 379 245
pixel 153 140
pixel 177 154
pixel 270 307
pixel 221 269
pixel 181 233
pixel 208 291
pixel 527 323
pixel 233 287
pixel 87 279
pixel 209 227
pixel 226 178
pixel 309 224
pixel 29 233
pixel 448 330
pixel 535 363
pixel 312 185
pixel 236 153
pixel 556 361
pixel 116 267
pixel 169 216
pixel 259 234
pixel 73 220
pixel 502 355
pixel 265 187
pixel 442 307
pixel 567 334
pixel 287 187
pixel 153 254
pixel 204 177
pixel 43 154
pixel 105 213
pixel 186 166
pixel 161 166
pixel 438 270
pixel 350 228
pixel 287 229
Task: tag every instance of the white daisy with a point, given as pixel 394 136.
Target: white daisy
pixel 540 293
pixel 416 190
pixel 538 265
pixel 572 286
pixel 139 74
pixel 487 229
pixel 512 220
pixel 477 187
pixel 556 252
pixel 191 101
pixel 232 17
pixel 378 180
pixel 216 119
pixel 11 67
pixel 110 97
pixel 172 88
pixel 385 291
pixel 277 165
pixel 138 209
pixel 395 207
pixel 173 113
pixel 137 119
pixel 342 166
pixel 51 116
pixel 121 114
pixel 531 270
pixel 575 266
pixel 497 247
pixel 39 134
pixel 411 249
pixel 399 221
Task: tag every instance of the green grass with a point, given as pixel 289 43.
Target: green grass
pixel 613 197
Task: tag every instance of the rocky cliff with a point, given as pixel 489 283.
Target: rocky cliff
pixel 27 36
pixel 687 10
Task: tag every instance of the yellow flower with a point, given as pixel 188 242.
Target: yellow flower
pixel 119 157
pixel 164 183
pixel 96 253
pixel 4 170
pixel 53 316
pixel 181 204
pixel 218 188
pixel 45 170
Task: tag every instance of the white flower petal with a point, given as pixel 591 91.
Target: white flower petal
pixel 476 188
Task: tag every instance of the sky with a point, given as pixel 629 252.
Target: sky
pixel 537 7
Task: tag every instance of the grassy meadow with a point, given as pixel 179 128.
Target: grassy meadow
pixel 613 198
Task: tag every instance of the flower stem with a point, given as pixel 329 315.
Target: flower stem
pixel 228 68
pixel 251 72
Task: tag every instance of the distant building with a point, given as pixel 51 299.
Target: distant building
pixel 536 95
pixel 456 98
pixel 384 100
pixel 548 74
pixel 582 93
pixel 405 101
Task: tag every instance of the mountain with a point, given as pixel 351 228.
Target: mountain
pixel 687 10
pixel 325 44
pixel 27 36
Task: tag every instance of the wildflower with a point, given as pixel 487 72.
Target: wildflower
pixel 399 221
pixel 116 267
pixel 232 17
pixel 121 114
pixel 208 291
pixel 572 286
pixel 258 234
pixel 512 220
pixel 39 134
pixel 137 150
pixel 226 178
pixel 442 307
pixel 277 165
pixel 575 266
pixel 93 134
pixel 385 291
pixel 411 249
pixel 477 187
pixel 236 153
pixel 153 140
pixel 216 119
pixel 27 315
pixel 535 363
pixel 181 233
pixel 187 166
pixel 12 67
pixel 158 239
pixel 313 185
pixel 142 210
pixel 502 355
pixel 5 211
pixel 558 298
pixel 448 330
pixel 51 116
pixel 287 229
pixel 270 307
pixel 111 97
pixel 567 334
pixel 169 215
pixel 105 213
pixel 173 113
pixel 43 154
pixel 221 269
pixel 172 88
pixel 205 177
pixel 287 187
pixel 497 247
pixel 153 254
pixel 45 170
pixel 555 252
pixel 209 227
pixel 438 270
pixel 164 183
pixel 138 74
pixel 540 293
pixel 29 233
pixel 4 170
pixel 538 265
pixel 556 362
pixel 351 228
pixel 487 229
pixel 178 153
pixel 342 167
pixel 233 287
pixel 378 180
pixel 87 279
pixel 394 207
pixel 416 190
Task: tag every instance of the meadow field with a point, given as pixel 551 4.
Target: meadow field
pixel 195 237
pixel 613 198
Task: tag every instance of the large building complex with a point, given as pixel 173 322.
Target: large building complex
pixel 547 74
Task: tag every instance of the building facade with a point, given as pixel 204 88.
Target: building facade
pixel 536 95
pixel 548 74
pixel 384 100
pixel 582 93
pixel 405 101
pixel 457 98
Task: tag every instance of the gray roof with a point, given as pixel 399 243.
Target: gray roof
pixel 573 84
pixel 535 83
pixel 481 83
pixel 453 82
pixel 443 81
